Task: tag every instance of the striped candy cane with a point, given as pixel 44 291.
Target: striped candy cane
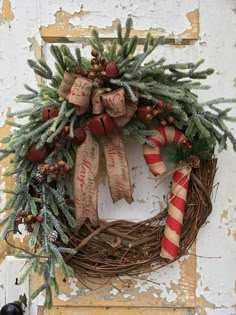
pixel 178 193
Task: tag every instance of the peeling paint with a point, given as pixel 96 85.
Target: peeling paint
pixel 234 84
pixel 67 27
pixel 7 13
pixel 193 32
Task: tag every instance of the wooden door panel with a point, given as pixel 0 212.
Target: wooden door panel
pixel 172 286
pixel 118 311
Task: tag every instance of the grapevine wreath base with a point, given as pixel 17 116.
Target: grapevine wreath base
pixel 126 248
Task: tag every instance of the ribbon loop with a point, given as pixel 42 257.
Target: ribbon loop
pixel 66 84
pixel 96 100
pixel 114 102
pixel 131 108
pixel 80 94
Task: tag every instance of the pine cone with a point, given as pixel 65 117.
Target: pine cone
pixel 39 178
pixel 52 237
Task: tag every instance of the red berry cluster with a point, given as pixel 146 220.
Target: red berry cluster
pixel 187 144
pixel 100 68
pixel 58 169
pixel 147 113
pixel 28 219
pixel 97 67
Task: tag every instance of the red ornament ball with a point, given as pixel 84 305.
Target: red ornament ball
pixel 79 136
pixel 101 125
pixel 49 112
pixel 37 155
pixel 111 69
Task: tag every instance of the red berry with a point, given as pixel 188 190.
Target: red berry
pixel 149 116
pixel 190 146
pixel 92 75
pixel 85 73
pixel 96 68
pixel 160 104
pixel 170 119
pixel 18 220
pixel 67 168
pixel 148 109
pixel 168 106
pixel 56 167
pixel 39 218
pixel 102 60
pixel 30 218
pixel 184 141
pixel 78 69
pixel 94 52
pixel 61 163
pixel 163 123
pixel 103 74
pixel 94 61
pixel 22 213
pixel 155 112
pixel 62 173
pixel 51 169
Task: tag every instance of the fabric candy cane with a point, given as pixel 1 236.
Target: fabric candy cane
pixel 178 193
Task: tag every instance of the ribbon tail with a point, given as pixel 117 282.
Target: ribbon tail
pixel 117 168
pixel 85 181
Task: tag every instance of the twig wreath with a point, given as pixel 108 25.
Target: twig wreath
pixel 86 109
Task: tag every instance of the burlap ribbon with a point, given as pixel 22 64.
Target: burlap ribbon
pixel 80 92
pixel 117 104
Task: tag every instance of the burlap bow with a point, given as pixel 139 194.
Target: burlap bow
pixel 117 104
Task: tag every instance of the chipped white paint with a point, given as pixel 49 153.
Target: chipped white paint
pixel 20 38
pixel 63 297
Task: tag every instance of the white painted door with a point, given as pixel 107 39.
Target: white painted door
pixel 195 30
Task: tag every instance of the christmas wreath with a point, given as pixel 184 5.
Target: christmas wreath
pixel 85 110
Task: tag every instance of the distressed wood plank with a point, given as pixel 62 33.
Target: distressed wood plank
pixel 118 311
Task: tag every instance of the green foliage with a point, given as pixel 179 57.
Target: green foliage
pixel 202 149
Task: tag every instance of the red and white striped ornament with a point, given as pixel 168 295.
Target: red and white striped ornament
pixel 179 189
